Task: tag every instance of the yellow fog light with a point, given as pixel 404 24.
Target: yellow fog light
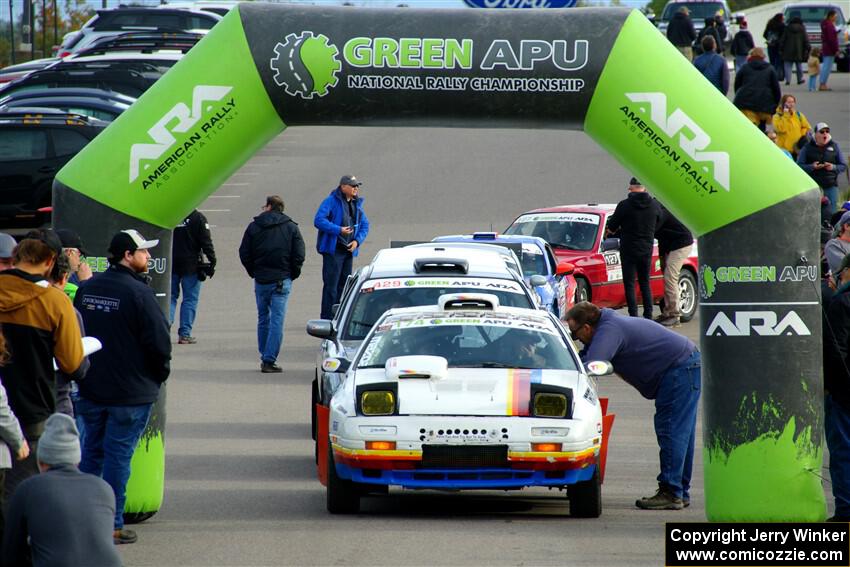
pixel 377 403
pixel 380 445
pixel 550 405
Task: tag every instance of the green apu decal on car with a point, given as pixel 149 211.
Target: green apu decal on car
pixel 656 114
pixel 184 137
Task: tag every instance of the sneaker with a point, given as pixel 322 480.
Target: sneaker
pixel 672 322
pixel 270 368
pixel 124 536
pixel 659 318
pixel 186 340
pixel 686 502
pixel 662 500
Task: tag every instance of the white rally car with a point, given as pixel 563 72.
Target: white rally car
pixel 465 394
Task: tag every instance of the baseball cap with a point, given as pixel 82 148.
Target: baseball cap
pixel 820 126
pixel 129 240
pixel 48 236
pixel 7 245
pixel 71 239
pixel 349 180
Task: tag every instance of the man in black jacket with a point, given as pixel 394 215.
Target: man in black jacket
pixel 757 90
pixel 634 221
pixel 120 308
pixel 272 252
pixel 674 246
pixel 836 362
pixel 191 238
pixel 681 33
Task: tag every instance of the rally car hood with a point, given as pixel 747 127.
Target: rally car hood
pixel 473 391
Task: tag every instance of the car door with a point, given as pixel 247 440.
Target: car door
pixel 24 167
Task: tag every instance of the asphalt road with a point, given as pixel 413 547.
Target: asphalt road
pixel 240 483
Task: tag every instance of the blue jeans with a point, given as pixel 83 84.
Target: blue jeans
pixel 837 426
pixel 826 68
pixel 813 82
pixel 675 424
pixel 112 433
pixel 740 61
pixel 271 311
pixel 336 268
pixel 831 193
pixel 191 292
pixel 798 68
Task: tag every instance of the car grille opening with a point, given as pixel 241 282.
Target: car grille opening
pixel 464 456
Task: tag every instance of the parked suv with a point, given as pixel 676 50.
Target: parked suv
pixel 123 20
pixel 812 15
pixel 34 145
pixel 698 10
pixel 407 277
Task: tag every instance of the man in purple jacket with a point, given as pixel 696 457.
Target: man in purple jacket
pixel 663 366
pixel 343 227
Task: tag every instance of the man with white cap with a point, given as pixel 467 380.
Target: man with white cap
pixel 120 308
pixel 822 159
pixel 62 516
pixel 7 251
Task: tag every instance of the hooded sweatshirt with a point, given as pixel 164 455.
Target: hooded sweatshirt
pixel 635 221
pixel 757 87
pixel 39 324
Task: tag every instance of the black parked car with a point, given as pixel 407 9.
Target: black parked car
pixel 103 105
pixel 34 145
pixel 129 73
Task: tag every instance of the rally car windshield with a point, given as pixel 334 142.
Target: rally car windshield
pixel 572 231
pixel 377 296
pixel 533 264
pixel 505 344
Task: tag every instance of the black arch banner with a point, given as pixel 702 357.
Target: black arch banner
pixel 606 71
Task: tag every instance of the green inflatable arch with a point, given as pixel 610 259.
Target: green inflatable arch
pixel 606 71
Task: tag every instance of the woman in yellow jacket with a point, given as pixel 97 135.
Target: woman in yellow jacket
pixel 790 124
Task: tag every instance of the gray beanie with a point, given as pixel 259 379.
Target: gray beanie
pixel 60 443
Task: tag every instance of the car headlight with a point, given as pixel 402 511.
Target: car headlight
pixel 377 402
pixel 550 405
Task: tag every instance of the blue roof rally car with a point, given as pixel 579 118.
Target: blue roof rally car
pixel 466 394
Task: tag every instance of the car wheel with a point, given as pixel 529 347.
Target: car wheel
pixel 343 497
pixel 688 296
pixel 582 290
pixel 586 497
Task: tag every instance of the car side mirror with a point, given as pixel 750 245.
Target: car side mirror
pixel 537 280
pixel 321 328
pixel 610 244
pixel 565 268
pixel 336 364
pixel 599 368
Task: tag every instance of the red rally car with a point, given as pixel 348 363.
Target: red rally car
pixel 577 235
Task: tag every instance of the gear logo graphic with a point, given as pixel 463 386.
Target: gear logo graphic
pixel 306 64
pixel 709 283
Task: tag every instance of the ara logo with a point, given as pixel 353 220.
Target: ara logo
pixel 762 323
pixel 306 65
pixel 177 120
pixel 692 139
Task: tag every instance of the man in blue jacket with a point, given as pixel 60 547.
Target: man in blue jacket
pixel 343 227
pixel 712 65
pixel 120 308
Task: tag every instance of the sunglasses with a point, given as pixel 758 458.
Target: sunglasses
pixel 824 131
